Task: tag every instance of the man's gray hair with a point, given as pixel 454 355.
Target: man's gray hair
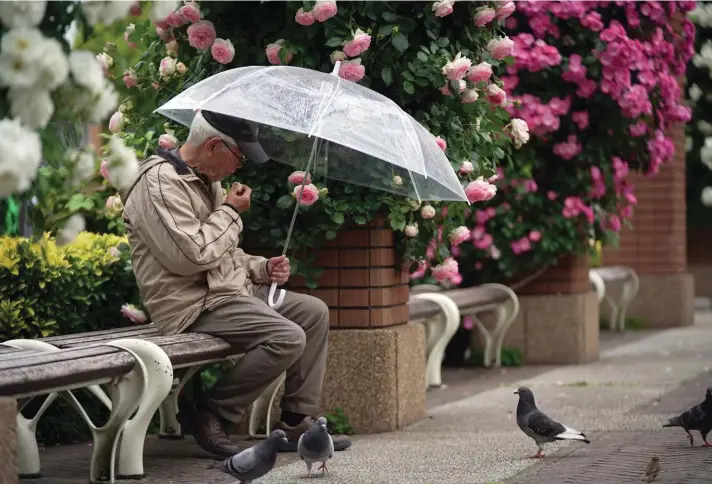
pixel 201 131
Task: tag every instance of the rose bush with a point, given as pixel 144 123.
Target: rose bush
pixel 699 132
pixel 597 85
pixel 432 59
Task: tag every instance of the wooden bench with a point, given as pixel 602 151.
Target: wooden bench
pixel 187 352
pixel 137 373
pixel 473 301
pixel 602 278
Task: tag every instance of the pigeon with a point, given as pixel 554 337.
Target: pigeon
pixel 537 425
pixel 698 418
pixel 316 445
pixel 255 462
pixel 651 472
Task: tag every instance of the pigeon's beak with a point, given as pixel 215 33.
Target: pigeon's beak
pixel 323 426
pixel 516 392
pixel 284 439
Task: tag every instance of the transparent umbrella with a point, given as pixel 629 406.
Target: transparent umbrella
pixel 326 126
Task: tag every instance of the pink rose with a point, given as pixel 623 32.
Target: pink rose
pixel 306 196
pixel 352 70
pixel 167 141
pixel 164 34
pixel 116 122
pixel 446 271
pixel 459 235
pixel 104 169
pixel 501 48
pixel 134 314
pixel 443 8
pixel 484 16
pixel 167 67
pixel 535 236
pixel 114 252
pixel 457 68
pixel 495 94
pixel 480 190
pixel 175 19
pixel 304 18
pixel 441 143
pixel 323 10
pixel 469 96
pixel 297 178
pixel 359 44
pixel 190 12
pixel 130 79
pixel 113 202
pixel 272 51
pixel 135 9
pixel 181 68
pixel 467 167
pixel 480 73
pixel 222 51
pixel 201 35
pixel 505 11
pixel 419 271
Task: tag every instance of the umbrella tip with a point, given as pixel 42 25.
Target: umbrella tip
pixel 335 70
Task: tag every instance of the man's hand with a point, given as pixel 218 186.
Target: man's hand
pixel 278 269
pixel 239 197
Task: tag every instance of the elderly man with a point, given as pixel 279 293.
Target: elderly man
pixel 184 232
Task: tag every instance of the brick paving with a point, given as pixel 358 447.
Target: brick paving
pixel 621 457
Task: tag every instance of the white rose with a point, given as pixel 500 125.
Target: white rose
pixel 14 14
pixel 495 253
pixel 86 70
pixel 106 11
pixel 21 51
pixel 411 230
pixel 54 65
pixel 695 92
pixel 20 157
pixel 167 66
pixel 84 164
pixel 105 60
pixel 520 132
pixel 123 164
pixel 467 167
pixel 707 196
pixel 706 153
pixel 398 181
pixel 72 227
pixel 33 106
pixel 106 102
pixel 116 122
pixel 427 211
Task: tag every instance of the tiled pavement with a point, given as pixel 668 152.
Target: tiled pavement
pixel 620 401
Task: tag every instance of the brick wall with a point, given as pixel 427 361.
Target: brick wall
pixel 699 246
pixel 569 276
pixel 362 283
pixel 657 242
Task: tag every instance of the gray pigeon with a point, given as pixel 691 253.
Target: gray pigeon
pixel 255 462
pixel 316 445
pixel 537 425
pixel 698 418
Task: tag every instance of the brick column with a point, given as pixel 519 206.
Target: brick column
pixel 699 259
pixel 656 245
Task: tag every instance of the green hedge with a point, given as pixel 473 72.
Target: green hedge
pixel 47 290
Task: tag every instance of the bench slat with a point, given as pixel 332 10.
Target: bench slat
pixel 103 335
pixel 422 308
pixel 614 273
pixel 471 297
pixel 32 373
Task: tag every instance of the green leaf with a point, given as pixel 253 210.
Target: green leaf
pixel 389 16
pixel 387 75
pixel 400 42
pixel 360 220
pixel 498 152
pixel 443 41
pixel 422 56
pixel 386 29
pixel 397 224
pixel 330 234
pixel 337 218
pixel 408 87
pixel 408 76
pixel 334 42
pixel 285 201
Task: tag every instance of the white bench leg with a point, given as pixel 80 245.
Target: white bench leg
pixel 613 324
pixel 598 284
pixel 444 327
pixel 28 454
pixel 506 314
pixel 157 382
pixel 628 295
pixel 262 409
pixel 170 428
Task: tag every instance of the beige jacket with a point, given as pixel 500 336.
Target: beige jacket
pixel 184 244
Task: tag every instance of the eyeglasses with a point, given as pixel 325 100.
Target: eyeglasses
pixel 238 156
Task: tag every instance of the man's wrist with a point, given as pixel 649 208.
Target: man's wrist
pixel 233 207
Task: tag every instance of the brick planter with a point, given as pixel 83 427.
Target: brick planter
pixel 699 259
pixel 558 318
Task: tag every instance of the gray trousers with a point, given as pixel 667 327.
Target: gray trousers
pixel 291 338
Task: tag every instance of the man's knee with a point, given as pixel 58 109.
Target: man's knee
pixel 319 311
pixel 291 340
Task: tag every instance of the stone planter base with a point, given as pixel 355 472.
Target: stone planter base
pixel 377 376
pixel 702 272
pixel 8 441
pixel 665 300
pixel 556 329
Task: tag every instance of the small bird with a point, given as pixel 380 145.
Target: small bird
pixel 698 418
pixel 316 445
pixel 537 425
pixel 255 462
pixel 651 472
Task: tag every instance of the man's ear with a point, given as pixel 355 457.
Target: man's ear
pixel 212 143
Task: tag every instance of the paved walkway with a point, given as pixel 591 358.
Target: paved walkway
pixel 620 401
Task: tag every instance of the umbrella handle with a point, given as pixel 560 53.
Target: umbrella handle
pixel 280 299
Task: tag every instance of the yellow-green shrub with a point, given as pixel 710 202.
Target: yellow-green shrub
pixel 46 289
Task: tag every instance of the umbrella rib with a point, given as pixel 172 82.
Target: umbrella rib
pixel 210 98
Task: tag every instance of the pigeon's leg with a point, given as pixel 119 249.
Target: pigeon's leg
pixel 323 467
pixel 692 442
pixel 539 453
pixel 309 464
pixel 704 438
